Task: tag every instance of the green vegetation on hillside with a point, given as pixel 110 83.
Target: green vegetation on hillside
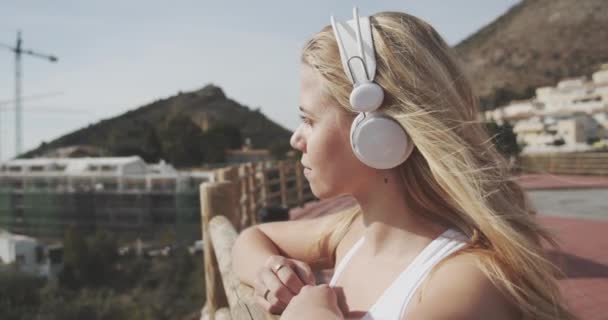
pixel 97 284
pixel 188 129
pixel 504 138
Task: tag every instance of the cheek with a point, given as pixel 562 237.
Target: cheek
pixel 331 153
pixel 328 147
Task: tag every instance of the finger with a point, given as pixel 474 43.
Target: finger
pixel 278 291
pixel 306 288
pixel 290 279
pixel 259 287
pixel 269 307
pixel 274 261
pixel 304 272
pixel 329 292
pixel 260 291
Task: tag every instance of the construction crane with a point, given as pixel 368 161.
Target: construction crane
pixel 18 50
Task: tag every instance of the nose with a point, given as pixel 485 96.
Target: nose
pixel 297 140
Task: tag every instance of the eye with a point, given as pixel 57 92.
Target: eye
pixel 306 120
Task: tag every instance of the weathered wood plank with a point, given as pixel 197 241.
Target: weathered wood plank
pixel 240 297
pixel 215 198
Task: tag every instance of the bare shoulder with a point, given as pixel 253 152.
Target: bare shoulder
pixel 459 289
pixel 354 233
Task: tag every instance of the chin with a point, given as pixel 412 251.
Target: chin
pixel 325 193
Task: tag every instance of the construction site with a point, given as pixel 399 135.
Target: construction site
pixel 43 197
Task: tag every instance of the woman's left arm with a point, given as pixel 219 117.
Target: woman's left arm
pixel 314 313
pixel 313 302
pixel 469 295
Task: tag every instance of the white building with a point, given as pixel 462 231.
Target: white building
pixel 29 256
pixel 517 110
pixel 99 174
pixel 565 134
pixel 575 111
pixel 44 196
pixel 602 119
pixel 533 131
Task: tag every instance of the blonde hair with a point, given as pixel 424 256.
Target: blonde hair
pixel 455 175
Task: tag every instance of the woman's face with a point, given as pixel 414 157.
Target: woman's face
pixel 323 138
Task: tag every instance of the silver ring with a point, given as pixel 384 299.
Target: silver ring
pixel 266 294
pixel 278 267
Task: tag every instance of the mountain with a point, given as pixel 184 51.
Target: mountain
pixel 161 128
pixel 535 43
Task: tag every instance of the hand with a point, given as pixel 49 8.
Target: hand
pixel 279 281
pixel 314 302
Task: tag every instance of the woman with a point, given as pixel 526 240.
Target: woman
pixel 439 230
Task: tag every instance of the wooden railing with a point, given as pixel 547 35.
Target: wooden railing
pixel 581 163
pixel 229 205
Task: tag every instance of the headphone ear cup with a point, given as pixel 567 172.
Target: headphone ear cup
pixel 379 141
pixel 366 97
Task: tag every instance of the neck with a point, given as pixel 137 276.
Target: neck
pixel 389 220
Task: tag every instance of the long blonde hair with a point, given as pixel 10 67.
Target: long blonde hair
pixel 455 174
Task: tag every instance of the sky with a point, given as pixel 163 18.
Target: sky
pixel 117 55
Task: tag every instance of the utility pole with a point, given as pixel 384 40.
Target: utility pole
pixel 18 50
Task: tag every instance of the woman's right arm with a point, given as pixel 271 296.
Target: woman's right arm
pixel 250 252
pixel 296 239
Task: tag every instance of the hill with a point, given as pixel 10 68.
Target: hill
pixel 182 123
pixel 535 43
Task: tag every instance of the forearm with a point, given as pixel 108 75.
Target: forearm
pixel 249 253
pixel 315 313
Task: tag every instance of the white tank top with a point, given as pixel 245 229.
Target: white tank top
pixel 393 302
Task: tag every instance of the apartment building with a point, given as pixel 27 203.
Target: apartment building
pixel 564 118
pixel 43 196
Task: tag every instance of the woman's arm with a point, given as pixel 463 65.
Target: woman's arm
pixel 458 289
pixel 315 313
pixel 250 252
pixel 314 302
pixel 297 239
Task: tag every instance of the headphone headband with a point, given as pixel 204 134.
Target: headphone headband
pixel 377 140
pixel 354 39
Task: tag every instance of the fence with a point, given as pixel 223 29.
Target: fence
pixel 587 163
pixel 230 204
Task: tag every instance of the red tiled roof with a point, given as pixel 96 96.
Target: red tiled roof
pixel 584 260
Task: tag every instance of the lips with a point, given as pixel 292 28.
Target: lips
pixel 306 171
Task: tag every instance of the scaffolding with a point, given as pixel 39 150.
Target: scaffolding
pixel 135 206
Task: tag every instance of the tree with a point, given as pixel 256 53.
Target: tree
pixel 218 139
pixel 504 138
pixel 559 142
pixel 181 141
pixel 136 138
pixel 18 295
pixel 75 253
pixel 184 144
pixel 88 262
pixel 279 149
pixel 101 260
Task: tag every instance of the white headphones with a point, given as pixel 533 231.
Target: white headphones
pixel 376 139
